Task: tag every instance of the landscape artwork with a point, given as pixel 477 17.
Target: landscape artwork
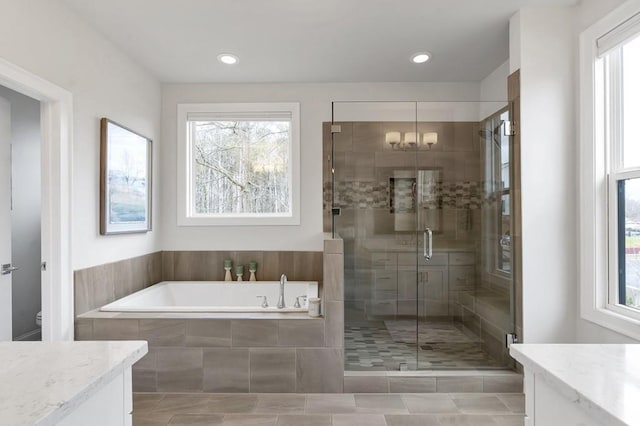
pixel 125 185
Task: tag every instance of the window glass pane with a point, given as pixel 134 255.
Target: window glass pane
pixel 504 249
pixel 504 163
pixel 631 85
pixel 504 154
pixel 629 251
pixel 240 167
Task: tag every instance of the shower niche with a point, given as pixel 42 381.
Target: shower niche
pixel 415 199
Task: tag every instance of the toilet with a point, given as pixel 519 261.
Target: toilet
pixel 39 319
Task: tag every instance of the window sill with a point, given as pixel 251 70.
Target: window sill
pixel 239 220
pixel 613 321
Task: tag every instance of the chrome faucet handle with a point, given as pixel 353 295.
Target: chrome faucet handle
pixel 297 304
pixel 265 304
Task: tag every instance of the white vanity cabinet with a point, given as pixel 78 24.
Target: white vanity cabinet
pixel 68 383
pixel 111 405
pixel 580 384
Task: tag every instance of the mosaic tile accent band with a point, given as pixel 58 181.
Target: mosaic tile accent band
pixel 365 195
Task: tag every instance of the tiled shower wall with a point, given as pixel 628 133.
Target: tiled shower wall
pixel 364 164
pixel 260 353
pixel 367 195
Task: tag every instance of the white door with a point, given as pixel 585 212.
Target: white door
pixel 6 332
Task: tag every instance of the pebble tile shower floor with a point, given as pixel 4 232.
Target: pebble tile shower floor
pixel 384 345
pixel 156 409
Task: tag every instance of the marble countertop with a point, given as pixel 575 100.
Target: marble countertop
pixel 603 379
pixel 42 382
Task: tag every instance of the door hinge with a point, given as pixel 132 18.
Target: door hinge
pixel 336 211
pixel 511 338
pixel 336 128
pixel 43 266
pixel 8 268
pixel 509 128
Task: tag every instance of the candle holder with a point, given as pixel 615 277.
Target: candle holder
pixel 253 268
pixel 239 272
pixel 228 265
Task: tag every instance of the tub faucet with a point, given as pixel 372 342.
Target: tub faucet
pixel 283 280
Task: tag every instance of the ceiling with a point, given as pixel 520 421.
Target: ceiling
pixel 309 41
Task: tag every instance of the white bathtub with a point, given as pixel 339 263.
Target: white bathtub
pixel 214 296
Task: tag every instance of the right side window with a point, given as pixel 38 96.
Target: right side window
pixel 609 165
pixel 618 68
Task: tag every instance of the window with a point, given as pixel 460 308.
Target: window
pixel 621 96
pixel 498 190
pixel 610 171
pixel 503 193
pixel 238 164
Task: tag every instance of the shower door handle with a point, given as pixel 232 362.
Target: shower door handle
pixel 428 247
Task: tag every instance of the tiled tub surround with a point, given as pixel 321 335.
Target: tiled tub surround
pixel 237 352
pixel 103 284
pixel 188 353
pixel 208 265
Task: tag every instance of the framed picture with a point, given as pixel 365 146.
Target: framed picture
pixel 125 180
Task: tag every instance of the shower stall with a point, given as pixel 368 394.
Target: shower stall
pixel 420 193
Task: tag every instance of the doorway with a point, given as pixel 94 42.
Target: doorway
pixel 20 248
pixel 56 124
pixel 419 193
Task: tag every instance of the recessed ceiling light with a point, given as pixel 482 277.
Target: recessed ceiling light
pixel 228 58
pixel 420 57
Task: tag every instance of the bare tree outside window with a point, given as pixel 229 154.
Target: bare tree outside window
pixel 241 167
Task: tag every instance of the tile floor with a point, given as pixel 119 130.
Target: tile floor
pixel 383 345
pixel 437 409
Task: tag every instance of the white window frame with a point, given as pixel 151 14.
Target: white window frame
pixel 598 184
pixel 186 216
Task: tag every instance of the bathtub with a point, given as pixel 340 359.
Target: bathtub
pixel 214 296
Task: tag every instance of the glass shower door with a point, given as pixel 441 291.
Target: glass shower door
pixel 374 212
pixel 464 203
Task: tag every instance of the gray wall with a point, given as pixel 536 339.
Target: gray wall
pixel 25 215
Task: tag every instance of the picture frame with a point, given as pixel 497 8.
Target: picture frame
pixel 125 180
